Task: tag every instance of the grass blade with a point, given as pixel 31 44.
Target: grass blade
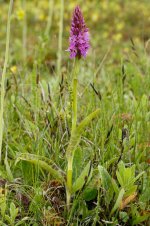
pixel 118 201
pixel 41 162
pixel 4 75
pixel 76 134
pixel 81 180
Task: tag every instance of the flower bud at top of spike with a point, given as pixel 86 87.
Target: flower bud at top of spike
pixel 79 35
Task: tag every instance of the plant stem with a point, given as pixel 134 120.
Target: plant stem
pixel 74 123
pixel 60 38
pixel 24 33
pixel 74 103
pixel 4 75
pixel 69 181
pixel 50 14
pixel 74 94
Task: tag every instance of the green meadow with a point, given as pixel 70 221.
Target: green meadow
pixel 74 133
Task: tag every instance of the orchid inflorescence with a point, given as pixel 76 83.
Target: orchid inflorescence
pixel 79 35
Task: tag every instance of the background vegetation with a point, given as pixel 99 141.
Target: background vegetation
pixel 111 163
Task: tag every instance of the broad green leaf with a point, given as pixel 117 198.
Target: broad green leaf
pixel 13 212
pixel 115 186
pixel 76 133
pixel 95 180
pixel 120 173
pixel 123 216
pixel 131 189
pixel 118 201
pixel 84 176
pixel 126 178
pixel 3 205
pixel 41 161
pixel 89 194
pixel 119 178
pixel 125 175
pixel 106 183
pixel 77 162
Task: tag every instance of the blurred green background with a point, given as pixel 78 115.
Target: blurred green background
pixel 111 23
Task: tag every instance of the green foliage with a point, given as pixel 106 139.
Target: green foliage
pixel 108 148
pixel 124 187
pixel 11 217
pixel 106 183
pixel 126 178
pixel 83 178
pixel 118 201
pixel 13 214
pixel 41 162
pixel 76 134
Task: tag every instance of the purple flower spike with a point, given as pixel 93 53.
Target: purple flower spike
pixel 79 35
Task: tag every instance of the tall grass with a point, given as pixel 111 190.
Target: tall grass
pixel 24 32
pixel 60 37
pixel 50 15
pixel 4 76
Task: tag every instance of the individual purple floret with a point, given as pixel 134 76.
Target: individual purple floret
pixel 79 35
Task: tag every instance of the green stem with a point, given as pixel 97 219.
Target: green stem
pixel 24 33
pixel 4 75
pixel 50 15
pixel 74 103
pixel 69 182
pixel 74 94
pixel 60 38
pixel 74 123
